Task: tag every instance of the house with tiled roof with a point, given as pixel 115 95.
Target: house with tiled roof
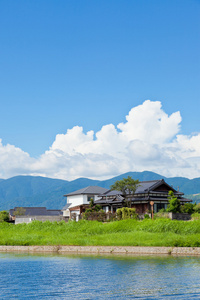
pixel 79 200
pixel 155 191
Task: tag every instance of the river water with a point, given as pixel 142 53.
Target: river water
pixel 26 276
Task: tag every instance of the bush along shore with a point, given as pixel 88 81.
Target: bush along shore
pixel 149 233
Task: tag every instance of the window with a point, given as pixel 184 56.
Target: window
pixel 89 198
pixel 161 206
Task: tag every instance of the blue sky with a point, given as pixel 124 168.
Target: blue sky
pixel 88 63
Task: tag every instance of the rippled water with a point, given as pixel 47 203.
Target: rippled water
pixel 98 277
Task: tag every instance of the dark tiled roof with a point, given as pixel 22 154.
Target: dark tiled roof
pixel 37 211
pixel 140 199
pixel 90 190
pixel 111 193
pixel 53 212
pixel 144 186
pixel 110 201
pixel 66 206
pixel 158 199
pixel 115 199
pixel 185 200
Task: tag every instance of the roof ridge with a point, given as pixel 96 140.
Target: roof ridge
pixel 91 189
pixel 85 189
pixel 151 180
pixel 30 207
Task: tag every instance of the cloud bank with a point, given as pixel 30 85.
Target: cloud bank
pixel 149 139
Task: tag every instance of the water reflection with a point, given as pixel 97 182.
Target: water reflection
pixel 98 277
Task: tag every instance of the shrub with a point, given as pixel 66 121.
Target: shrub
pixel 146 216
pixel 93 215
pixel 119 214
pixel 97 207
pixel 197 208
pixel 195 216
pixel 132 213
pixel 94 212
pixel 187 208
pixel 4 216
pixel 112 217
pixel 126 213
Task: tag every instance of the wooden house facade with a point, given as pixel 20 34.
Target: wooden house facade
pixel 155 191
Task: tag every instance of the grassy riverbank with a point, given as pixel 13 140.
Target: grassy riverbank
pixel 120 233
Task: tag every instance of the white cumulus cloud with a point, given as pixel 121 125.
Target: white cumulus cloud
pixel 13 161
pixel 149 139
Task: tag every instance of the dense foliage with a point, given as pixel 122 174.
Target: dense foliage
pixel 126 185
pixel 94 213
pixel 174 203
pixel 126 213
pixel 195 216
pixel 197 208
pixel 188 208
pixel 4 216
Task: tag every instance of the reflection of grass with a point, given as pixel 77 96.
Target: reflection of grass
pixel 119 233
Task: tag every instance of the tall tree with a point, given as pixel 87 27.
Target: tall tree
pixel 127 186
pixel 174 203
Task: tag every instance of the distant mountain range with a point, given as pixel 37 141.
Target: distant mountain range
pixel 41 191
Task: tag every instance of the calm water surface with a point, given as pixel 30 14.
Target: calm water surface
pixel 98 277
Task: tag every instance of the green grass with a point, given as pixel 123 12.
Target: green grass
pixel 120 233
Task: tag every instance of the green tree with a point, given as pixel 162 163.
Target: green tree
pixel 174 203
pixel 197 207
pixel 188 208
pixel 4 216
pixel 127 186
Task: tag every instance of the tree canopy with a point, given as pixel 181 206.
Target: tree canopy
pixel 174 203
pixel 127 186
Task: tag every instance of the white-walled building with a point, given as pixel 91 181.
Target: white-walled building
pixel 81 198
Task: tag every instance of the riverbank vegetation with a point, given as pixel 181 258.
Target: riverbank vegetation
pixel 160 232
